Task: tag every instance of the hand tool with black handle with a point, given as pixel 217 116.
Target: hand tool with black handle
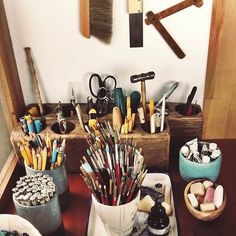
pixel 187 106
pixel 142 78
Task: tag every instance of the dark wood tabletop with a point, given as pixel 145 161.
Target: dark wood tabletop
pixel 225 224
pixel 75 216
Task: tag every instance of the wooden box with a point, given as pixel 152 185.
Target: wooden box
pixel 155 146
pixel 186 127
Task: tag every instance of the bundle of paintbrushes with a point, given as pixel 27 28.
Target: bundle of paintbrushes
pixel 42 155
pixel 115 169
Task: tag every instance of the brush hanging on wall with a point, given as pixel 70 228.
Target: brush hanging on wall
pixel 96 19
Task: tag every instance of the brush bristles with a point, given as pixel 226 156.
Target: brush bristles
pixel 101 19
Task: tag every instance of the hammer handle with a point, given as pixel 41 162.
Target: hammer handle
pixel 165 34
pixel 143 95
pixel 176 8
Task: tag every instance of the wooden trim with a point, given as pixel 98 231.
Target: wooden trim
pixel 6 172
pixel 13 104
pixel 9 78
pixel 218 13
pixel 217 19
pixel 8 177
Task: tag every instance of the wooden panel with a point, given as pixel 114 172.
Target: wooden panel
pixel 12 100
pixel 9 79
pixel 219 100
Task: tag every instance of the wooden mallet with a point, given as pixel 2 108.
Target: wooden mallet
pixel 142 78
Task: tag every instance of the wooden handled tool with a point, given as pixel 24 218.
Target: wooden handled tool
pixel 116 118
pixel 96 19
pixel 165 34
pixel 176 8
pixel 142 78
pixel 79 115
pixel 85 18
pixel 35 80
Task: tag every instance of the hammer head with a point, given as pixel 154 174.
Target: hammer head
pixel 142 77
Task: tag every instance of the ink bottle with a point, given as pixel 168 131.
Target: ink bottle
pixel 158 221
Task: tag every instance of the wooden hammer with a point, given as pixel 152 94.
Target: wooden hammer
pixel 142 78
pixel 175 8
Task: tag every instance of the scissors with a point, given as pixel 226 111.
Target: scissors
pixel 104 92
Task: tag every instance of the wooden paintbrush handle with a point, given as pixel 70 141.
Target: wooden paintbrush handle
pixel 176 8
pixel 85 18
pixel 35 80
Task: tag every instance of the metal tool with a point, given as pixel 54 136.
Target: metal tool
pixel 142 78
pixel 176 8
pixel 135 9
pixel 104 93
pixel 61 119
pixel 72 100
pixel 170 90
pixel 165 34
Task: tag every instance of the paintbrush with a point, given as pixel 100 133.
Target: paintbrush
pixel 96 19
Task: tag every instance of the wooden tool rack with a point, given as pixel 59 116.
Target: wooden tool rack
pixel 155 146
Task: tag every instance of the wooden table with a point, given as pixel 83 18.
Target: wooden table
pixel 75 217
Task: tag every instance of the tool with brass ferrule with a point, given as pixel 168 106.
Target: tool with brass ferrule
pixel 135 9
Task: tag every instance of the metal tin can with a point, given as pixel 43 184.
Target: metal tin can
pixel 46 218
pixel 60 179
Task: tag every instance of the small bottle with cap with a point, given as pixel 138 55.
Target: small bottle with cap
pixel 158 221
pixel 215 154
pixel 185 151
pixel 204 154
pixel 212 147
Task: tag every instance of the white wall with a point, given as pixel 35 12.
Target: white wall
pixel 64 57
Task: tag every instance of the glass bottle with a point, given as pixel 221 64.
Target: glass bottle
pixel 158 221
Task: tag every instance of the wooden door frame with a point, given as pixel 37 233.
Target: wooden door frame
pixel 13 104
pixel 217 19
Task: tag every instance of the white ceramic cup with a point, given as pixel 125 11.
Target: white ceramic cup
pixel 117 220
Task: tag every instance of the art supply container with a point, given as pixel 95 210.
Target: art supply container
pixel 117 220
pixel 46 218
pixel 60 179
pixel 190 170
pixel 182 126
pixel 11 223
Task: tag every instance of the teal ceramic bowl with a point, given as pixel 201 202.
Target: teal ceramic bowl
pixel 190 170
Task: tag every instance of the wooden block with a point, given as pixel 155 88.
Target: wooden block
pixel 184 126
pixel 155 146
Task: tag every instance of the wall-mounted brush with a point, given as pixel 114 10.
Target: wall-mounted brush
pixel 96 19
